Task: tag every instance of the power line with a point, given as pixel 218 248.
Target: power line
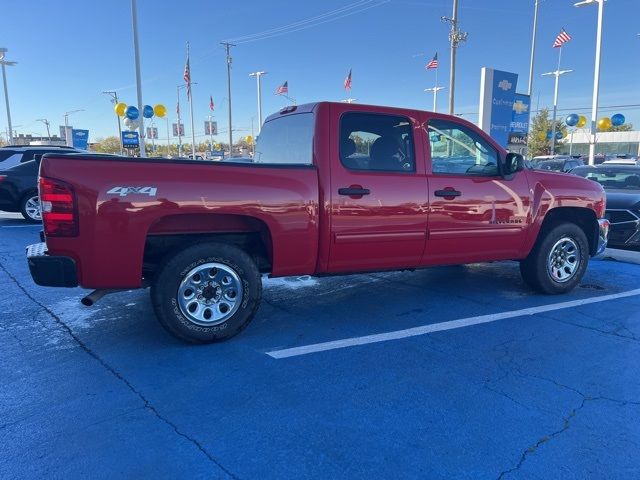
pixel 331 16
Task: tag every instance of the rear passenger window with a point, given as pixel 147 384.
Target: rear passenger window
pixel 286 140
pixel 376 142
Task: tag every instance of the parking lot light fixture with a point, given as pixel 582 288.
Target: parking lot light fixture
pixel 596 76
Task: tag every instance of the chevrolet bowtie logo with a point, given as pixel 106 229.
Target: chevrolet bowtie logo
pixel 520 107
pixel 505 85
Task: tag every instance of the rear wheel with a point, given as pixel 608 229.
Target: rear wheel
pixel 207 293
pixel 558 260
pixel 30 207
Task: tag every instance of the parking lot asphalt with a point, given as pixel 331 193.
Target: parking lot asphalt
pixel 526 386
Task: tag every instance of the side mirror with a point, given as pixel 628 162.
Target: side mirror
pixel 513 163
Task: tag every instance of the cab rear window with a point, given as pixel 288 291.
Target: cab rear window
pixel 286 140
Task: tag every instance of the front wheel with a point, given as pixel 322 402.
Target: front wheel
pixel 207 293
pixel 558 260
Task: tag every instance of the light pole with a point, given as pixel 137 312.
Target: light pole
pixel 66 125
pixel 136 54
pixel 556 74
pixel 533 48
pixel 6 63
pixel 227 47
pixel 596 76
pixel 114 99
pixel 182 85
pixel 258 75
pixel 456 37
pixel 47 123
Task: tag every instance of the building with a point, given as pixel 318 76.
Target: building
pixel 22 139
pixel 610 143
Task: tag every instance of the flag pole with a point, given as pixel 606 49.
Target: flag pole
pixel 193 132
pixel 178 128
pixel 555 104
pixel 435 93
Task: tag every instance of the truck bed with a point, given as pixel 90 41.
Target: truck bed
pixel 122 202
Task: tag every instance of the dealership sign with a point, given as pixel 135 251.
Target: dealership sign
pixel 130 140
pixel 497 97
pixel 80 138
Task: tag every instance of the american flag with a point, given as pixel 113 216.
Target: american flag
pixel 211 105
pixel 187 77
pixel 433 63
pixel 283 89
pixel 178 108
pixel 562 38
pixel 347 81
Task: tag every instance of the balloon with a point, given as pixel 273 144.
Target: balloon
pixel 617 120
pixel 542 136
pixel 559 135
pixel 120 108
pixel 604 124
pixel 582 121
pixel 131 124
pixel 132 112
pixel 160 110
pixel 147 111
pixel 572 120
pixel 549 136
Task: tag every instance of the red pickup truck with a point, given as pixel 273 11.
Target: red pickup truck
pixel 334 188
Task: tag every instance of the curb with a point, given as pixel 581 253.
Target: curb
pixel 617 255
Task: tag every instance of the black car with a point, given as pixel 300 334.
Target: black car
pixel 556 163
pixel 622 186
pixel 19 177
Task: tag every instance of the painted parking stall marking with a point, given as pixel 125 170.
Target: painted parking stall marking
pixel 439 327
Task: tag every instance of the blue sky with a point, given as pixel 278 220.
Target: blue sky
pixel 69 52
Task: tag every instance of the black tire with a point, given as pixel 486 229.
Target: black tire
pixel 25 208
pixel 535 268
pixel 170 307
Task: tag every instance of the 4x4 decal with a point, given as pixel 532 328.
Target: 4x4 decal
pixel 124 191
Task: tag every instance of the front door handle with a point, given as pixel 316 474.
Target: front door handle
pixel 447 193
pixel 353 191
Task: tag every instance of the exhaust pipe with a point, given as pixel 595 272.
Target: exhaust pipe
pixel 96 295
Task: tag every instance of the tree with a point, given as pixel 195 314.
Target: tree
pixel 625 127
pixel 107 145
pixel 538 143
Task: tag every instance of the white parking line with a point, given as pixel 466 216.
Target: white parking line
pixel 439 327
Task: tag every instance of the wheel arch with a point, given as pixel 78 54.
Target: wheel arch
pixel 583 217
pixel 169 234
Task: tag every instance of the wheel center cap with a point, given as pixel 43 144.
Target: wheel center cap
pixel 211 291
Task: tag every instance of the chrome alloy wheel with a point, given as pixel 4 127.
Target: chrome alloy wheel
pixel 32 208
pixel 564 260
pixel 210 293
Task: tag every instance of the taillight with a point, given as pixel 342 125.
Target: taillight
pixel 59 213
pixel 2 177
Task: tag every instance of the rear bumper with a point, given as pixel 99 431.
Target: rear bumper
pixel 603 235
pixel 51 271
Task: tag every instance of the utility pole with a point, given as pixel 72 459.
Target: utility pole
pixel 46 122
pixel 258 75
pixel 6 63
pixel 114 99
pixel 227 47
pixel 456 37
pixel 533 48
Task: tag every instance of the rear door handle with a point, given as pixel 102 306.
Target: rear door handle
pixel 447 193
pixel 354 191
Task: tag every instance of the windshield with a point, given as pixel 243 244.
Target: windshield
pixel 555 165
pixel 610 178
